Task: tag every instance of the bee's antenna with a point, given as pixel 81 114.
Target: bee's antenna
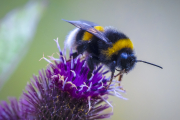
pixel 149 63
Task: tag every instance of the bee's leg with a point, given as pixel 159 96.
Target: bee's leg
pixel 89 74
pixel 112 68
pixel 75 54
pixel 120 78
pixel 90 64
pixel 117 74
pixel 112 74
pixel 120 74
pixel 80 49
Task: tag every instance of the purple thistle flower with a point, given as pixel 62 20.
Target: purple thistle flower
pixel 11 111
pixel 63 92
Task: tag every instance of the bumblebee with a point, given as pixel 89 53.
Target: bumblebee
pixel 102 45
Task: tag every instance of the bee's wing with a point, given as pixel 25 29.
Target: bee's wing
pixel 85 26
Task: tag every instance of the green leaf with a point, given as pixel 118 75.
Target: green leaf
pixel 17 29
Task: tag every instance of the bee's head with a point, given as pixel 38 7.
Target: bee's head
pixel 126 60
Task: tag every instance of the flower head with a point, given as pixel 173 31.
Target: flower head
pixel 11 111
pixel 62 91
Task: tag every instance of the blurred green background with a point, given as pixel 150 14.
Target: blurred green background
pixel 154 28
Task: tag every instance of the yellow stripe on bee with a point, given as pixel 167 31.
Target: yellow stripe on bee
pixel 87 36
pixel 117 46
pixel 99 28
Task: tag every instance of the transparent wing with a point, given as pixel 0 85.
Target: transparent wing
pixel 87 27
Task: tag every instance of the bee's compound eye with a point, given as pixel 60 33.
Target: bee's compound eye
pixel 132 60
pixel 124 55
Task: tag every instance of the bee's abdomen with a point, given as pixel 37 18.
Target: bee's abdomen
pixel 71 38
